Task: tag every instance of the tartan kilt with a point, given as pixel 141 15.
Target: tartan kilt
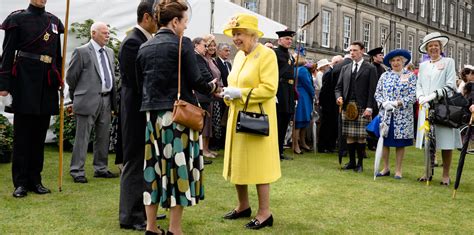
pixel 355 128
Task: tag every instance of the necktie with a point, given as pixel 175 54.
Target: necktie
pixel 104 68
pixel 354 73
pixel 227 66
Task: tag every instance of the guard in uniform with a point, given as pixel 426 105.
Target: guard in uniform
pixel 286 86
pixel 376 57
pixel 31 73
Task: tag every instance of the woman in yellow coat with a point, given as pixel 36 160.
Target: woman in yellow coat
pixel 251 159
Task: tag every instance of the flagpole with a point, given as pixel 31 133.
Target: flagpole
pixel 61 99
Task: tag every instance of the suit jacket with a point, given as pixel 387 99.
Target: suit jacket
pixel 205 71
pixel 224 72
pixel 365 84
pixel 83 78
pixel 127 56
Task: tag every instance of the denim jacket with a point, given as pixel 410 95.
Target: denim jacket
pixel 157 70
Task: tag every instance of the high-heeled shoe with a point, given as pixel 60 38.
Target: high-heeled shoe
pixel 255 224
pixel 235 215
pixel 300 152
pixel 424 179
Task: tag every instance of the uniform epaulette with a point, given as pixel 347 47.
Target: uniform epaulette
pixel 7 23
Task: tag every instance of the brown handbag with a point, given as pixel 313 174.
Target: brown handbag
pixel 185 113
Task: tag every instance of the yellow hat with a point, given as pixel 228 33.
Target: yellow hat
pixel 242 21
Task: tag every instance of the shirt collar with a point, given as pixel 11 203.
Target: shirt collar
pixel 147 34
pixel 358 63
pixel 95 45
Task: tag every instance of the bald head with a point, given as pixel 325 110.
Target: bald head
pixel 100 33
pixel 336 59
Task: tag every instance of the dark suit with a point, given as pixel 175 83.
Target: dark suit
pixel 133 122
pixel 329 111
pixel 224 70
pixel 365 84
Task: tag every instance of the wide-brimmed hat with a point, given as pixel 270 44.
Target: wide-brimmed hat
pixel 468 66
pixel 394 53
pixel 436 36
pixel 242 21
pixel 323 62
pixel 375 51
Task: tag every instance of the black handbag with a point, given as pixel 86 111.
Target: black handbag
pixel 252 123
pixel 451 111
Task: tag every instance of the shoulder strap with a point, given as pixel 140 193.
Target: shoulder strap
pixel 179 66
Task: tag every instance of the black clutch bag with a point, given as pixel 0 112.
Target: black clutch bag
pixel 252 123
pixel 451 111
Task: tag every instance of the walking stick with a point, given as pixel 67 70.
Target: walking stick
pixel 298 32
pixel 462 156
pixel 61 100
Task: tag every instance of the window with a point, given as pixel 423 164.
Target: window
pixel 433 10
pixel 411 6
pixel 451 16
pixel 383 37
pixel 411 40
pixel 367 36
pixel 386 1
pixel 461 20
pixel 398 40
pixel 459 62
pixel 400 4
pixel 451 52
pixel 347 32
pixel 422 8
pixel 468 22
pixel 326 34
pixel 302 18
pixel 251 5
pixel 419 44
pixel 443 12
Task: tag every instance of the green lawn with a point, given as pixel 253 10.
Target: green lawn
pixel 313 196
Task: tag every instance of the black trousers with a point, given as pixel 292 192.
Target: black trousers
pixel 283 121
pixel 28 148
pixel 133 122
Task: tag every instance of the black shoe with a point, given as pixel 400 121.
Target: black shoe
pixel 349 166
pixel 235 215
pixel 80 179
pixel 207 162
pixel 40 189
pixel 106 174
pixel 359 169
pixel 255 224
pixel 380 174
pixel 20 191
pixel 284 157
pixel 160 216
pixel 137 227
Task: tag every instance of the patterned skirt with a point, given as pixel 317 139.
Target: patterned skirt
pixel 174 163
pixel 355 128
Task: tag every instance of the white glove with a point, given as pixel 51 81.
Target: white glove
pixel 426 105
pixel 425 99
pixel 388 106
pixel 231 93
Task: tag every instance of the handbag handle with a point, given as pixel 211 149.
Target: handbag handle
pixel 247 103
pixel 179 72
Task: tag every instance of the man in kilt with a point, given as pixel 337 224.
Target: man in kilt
pixel 355 91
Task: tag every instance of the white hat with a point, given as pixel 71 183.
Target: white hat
pixel 468 66
pixel 323 62
pixel 436 36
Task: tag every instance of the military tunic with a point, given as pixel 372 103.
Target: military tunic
pixel 31 68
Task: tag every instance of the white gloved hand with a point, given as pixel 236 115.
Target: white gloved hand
pixel 394 104
pixel 387 105
pixel 426 105
pixel 231 93
pixel 425 99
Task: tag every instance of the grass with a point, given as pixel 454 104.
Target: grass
pixel 313 196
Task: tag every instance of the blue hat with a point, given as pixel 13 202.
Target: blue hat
pixel 397 52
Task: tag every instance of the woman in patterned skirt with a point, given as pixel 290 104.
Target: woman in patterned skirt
pixel 173 159
pixel 396 94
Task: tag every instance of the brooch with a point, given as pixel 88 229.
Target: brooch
pixel 46 36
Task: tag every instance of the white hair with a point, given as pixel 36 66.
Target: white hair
pixel 97 25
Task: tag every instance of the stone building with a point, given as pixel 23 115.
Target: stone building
pixel 391 23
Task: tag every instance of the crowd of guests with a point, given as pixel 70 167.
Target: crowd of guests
pixel 163 161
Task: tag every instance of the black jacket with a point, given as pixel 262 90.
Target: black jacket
pixel 32 83
pixel 223 69
pixel 206 74
pixel 286 86
pixel 157 67
pixel 365 84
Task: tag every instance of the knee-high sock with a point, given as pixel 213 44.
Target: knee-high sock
pixel 351 148
pixel 360 153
